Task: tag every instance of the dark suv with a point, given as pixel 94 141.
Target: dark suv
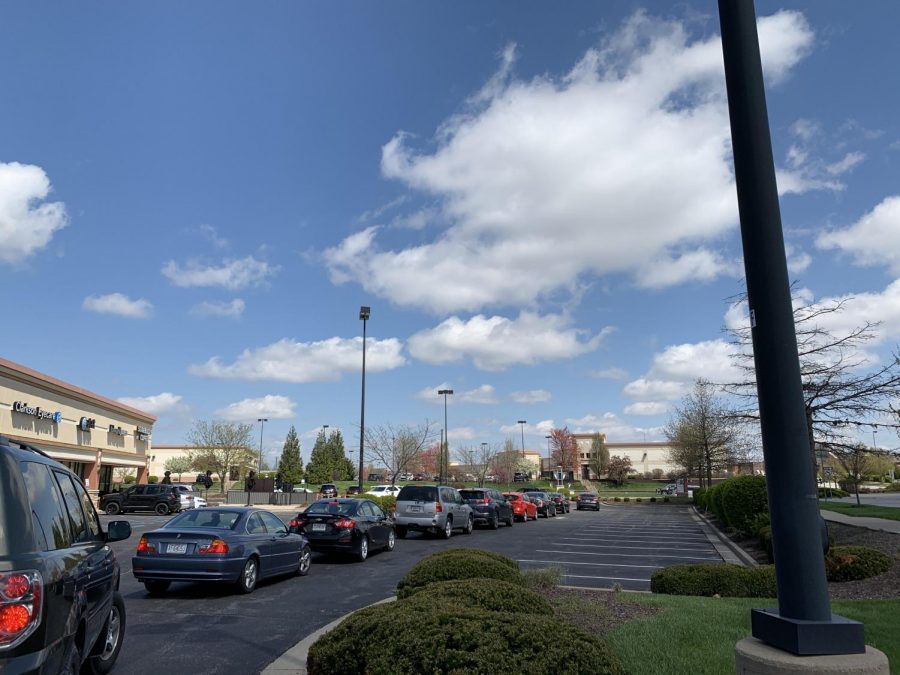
pixel 60 609
pixel 328 490
pixel 488 506
pixel 544 502
pixel 163 499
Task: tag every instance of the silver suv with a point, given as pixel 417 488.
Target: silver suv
pixel 432 508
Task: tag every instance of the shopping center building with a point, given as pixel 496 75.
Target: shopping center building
pixel 87 432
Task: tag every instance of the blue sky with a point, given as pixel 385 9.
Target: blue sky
pixel 537 204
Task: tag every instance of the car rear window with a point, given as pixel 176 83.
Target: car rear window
pixel 334 508
pixel 417 493
pixel 204 519
pixel 472 494
pixel 512 498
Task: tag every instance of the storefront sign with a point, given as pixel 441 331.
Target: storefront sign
pixel 36 411
pixel 118 431
pixel 87 423
pixel 142 433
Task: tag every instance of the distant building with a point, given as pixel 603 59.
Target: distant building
pixel 645 456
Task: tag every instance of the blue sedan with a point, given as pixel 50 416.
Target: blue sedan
pixel 225 544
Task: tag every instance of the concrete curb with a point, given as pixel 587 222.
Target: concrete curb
pixel 730 552
pixel 877 524
pixel 293 661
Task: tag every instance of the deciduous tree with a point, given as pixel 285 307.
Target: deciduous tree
pixel 397 447
pixel 564 451
pixel 618 469
pixel 221 446
pixel 179 464
pixel 599 456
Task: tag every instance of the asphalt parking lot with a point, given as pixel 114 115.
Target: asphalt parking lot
pixel 209 629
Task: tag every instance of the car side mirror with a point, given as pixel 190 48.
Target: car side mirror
pixel 118 530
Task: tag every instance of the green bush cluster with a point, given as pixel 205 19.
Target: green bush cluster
pixel 725 580
pixel 448 567
pixel 739 502
pixel 700 495
pixel 152 480
pixel 832 492
pixel 652 500
pixel 626 499
pixel 851 563
pixel 639 499
pixel 617 499
pixel 459 624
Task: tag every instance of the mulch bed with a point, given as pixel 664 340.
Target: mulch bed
pixel 883 586
pixel 571 604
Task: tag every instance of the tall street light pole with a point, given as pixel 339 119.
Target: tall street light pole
pixel 445 459
pixel 803 623
pixel 364 313
pixel 523 423
pixel 262 422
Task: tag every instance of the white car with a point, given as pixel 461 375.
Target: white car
pixel 190 498
pixel 384 491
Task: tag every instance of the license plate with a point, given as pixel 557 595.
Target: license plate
pixel 415 509
pixel 176 548
pixel 318 527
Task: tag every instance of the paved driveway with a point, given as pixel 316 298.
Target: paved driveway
pixel 619 545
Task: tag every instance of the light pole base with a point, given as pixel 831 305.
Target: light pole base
pixel 754 657
pixel 808 638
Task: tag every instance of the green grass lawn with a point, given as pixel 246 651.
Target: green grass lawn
pixel 632 488
pixel 697 635
pixel 867 510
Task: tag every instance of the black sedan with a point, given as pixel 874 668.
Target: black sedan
pixel 228 544
pixel 561 501
pixel 587 500
pixel 353 526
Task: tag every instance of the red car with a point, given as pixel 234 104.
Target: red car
pixel 523 508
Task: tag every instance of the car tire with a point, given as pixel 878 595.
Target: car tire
pixel 392 540
pixel 113 509
pixel 447 532
pixel 494 522
pixel 156 587
pixel 248 577
pixel 512 519
pixel 71 661
pixel 109 644
pixel 363 551
pixel 401 531
pixel 470 525
pixel 305 562
pixel 162 509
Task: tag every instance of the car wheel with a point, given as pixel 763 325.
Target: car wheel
pixel 162 509
pixel 157 587
pixel 113 508
pixel 109 644
pixel 495 521
pixel 248 577
pixel 401 531
pixel 71 662
pixel 363 552
pixel 305 562
pixel 470 525
pixel 448 528
pixel 512 519
pixel 391 541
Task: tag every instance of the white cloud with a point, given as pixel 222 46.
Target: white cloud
pixel 159 404
pixel 542 428
pixel 27 222
pixel 699 265
pixel 624 159
pixel 874 239
pixel 612 425
pixel 250 409
pixel 320 361
pixel 230 310
pixel 460 434
pixel 647 408
pixel 610 373
pixel 485 394
pixel 211 234
pixel 119 305
pixel 496 343
pixel 651 389
pixel 532 396
pixel 847 163
pixel 232 274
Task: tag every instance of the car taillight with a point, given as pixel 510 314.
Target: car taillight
pixel 344 524
pixel 485 501
pixel 437 507
pixel 20 606
pixel 298 522
pixel 216 546
pixel 145 546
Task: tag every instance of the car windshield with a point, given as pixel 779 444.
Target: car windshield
pixel 204 519
pixel 417 493
pixel 472 494
pixel 378 488
pixel 512 498
pixel 542 495
pixel 333 508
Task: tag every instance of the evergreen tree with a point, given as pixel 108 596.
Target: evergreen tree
pixel 328 460
pixel 318 469
pixel 289 466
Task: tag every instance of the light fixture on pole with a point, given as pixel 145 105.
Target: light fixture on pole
pixel 364 313
pixel 874 444
pixel 445 458
pixel 262 422
pixel 484 457
pixel 523 423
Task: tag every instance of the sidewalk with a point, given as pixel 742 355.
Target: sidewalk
pixel 880 524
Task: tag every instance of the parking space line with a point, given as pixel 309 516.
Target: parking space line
pixel 585 576
pixel 571 562
pixel 634 548
pixel 629 555
pixel 637 541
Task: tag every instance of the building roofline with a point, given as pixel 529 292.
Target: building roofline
pixel 77 392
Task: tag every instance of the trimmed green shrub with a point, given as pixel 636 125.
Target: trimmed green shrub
pixel 128 480
pixel 152 479
pixel 765 541
pixel 491 595
pixel 757 522
pixel 405 639
pixel 617 499
pixel 639 499
pixel 499 557
pixel 451 567
pixel 743 498
pixel 652 500
pixel 832 492
pixel 626 499
pixel 851 563
pixel 543 578
pixel 700 495
pixel 714 501
pixel 725 580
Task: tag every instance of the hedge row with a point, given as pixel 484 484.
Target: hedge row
pixel 724 580
pixel 737 502
pixel 851 563
pixel 450 620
